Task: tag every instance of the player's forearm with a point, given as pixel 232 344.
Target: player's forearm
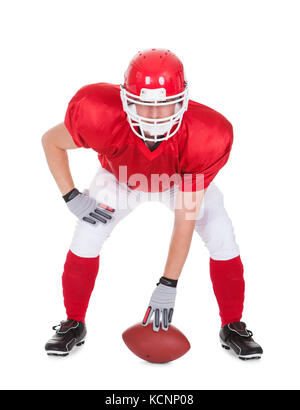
pixel 186 212
pixel 58 163
pixel 179 248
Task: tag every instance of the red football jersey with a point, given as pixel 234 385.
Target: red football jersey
pixel 95 119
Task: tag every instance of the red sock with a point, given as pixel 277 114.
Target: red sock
pixel 229 287
pixel 78 283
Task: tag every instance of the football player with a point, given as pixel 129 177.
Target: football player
pixel 153 143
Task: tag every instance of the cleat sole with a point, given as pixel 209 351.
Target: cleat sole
pixel 253 357
pixel 58 354
pixel 64 354
pixel 244 358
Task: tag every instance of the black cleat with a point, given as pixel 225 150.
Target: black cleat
pixel 68 334
pixel 238 339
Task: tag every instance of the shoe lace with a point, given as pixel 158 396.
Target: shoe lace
pixel 249 332
pixel 56 328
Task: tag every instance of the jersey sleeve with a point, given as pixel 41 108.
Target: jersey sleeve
pixel 73 122
pixel 93 115
pixel 207 156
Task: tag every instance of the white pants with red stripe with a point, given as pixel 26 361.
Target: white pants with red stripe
pixel 213 224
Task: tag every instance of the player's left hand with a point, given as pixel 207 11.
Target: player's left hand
pixel 161 304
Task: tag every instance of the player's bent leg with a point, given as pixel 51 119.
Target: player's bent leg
pixel 226 269
pixel 82 265
pixel 215 227
pixel 227 275
pixel 229 288
pixel 78 281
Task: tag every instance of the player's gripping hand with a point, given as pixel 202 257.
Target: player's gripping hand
pixel 161 304
pixel 87 208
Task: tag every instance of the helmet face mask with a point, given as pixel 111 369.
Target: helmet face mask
pixel 155 94
pixel 159 127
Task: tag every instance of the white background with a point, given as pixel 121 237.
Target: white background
pixel 242 59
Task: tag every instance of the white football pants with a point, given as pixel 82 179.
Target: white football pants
pixel 213 224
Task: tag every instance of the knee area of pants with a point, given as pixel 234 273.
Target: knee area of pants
pixel 221 227
pixel 220 242
pixel 213 194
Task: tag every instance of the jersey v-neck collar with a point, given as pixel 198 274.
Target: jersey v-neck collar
pixel 154 146
pixel 147 152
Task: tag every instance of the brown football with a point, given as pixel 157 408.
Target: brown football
pixel 156 347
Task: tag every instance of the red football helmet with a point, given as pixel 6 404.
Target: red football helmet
pixel 155 78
